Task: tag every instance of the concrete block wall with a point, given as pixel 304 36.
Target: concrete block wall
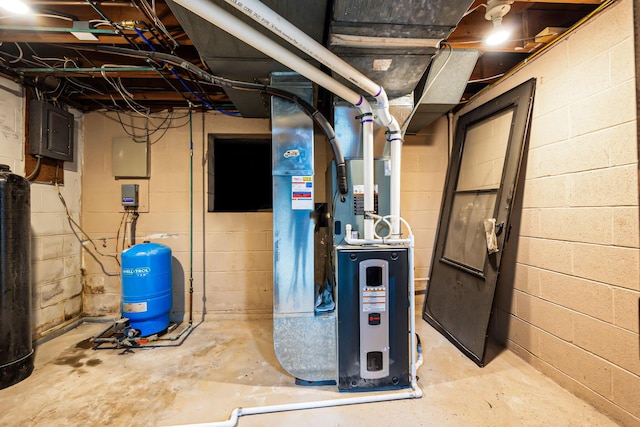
pixel 568 301
pixel 56 268
pixel 425 157
pixel 232 260
pixel 231 251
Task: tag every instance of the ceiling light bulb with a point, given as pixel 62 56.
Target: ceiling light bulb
pixel 15 6
pixel 498 35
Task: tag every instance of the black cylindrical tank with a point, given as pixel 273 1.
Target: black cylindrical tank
pixel 16 350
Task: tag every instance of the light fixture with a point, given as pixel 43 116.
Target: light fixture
pixel 83 31
pixel 496 9
pixel 15 6
pixel 498 35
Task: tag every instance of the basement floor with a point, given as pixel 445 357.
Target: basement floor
pixel 224 364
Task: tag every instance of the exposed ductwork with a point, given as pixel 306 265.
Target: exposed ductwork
pixel 229 57
pixel 391 43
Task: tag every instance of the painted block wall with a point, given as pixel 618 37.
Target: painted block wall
pixel 568 300
pixel 231 251
pixel 232 260
pixel 425 157
pixel 56 268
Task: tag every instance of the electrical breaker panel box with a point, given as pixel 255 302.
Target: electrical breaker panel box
pixel 50 131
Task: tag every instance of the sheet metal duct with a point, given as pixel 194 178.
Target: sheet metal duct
pixel 304 343
pixel 229 57
pixel 444 86
pixel 392 43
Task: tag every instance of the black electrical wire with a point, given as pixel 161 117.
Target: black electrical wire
pixel 132 226
pixel 118 30
pixel 167 81
pixel 151 16
pixel 148 133
pixel 311 111
pixel 198 83
pixel 73 225
pixel 150 30
pixel 174 73
pixel 122 221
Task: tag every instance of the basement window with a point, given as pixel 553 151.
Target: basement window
pixel 239 174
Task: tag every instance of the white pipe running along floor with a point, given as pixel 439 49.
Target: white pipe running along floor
pixel 226 364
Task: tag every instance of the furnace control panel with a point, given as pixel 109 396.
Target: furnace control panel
pixel 374 318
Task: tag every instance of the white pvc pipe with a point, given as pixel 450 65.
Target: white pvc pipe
pixel 394 194
pixel 234 26
pixel 269 19
pixel 375 241
pixel 229 23
pixel 368 165
pixel 415 392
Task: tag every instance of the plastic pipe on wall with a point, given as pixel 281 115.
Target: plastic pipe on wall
pixel 269 19
pixel 229 23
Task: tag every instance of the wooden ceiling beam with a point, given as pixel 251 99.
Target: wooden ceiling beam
pixel 153 96
pixel 27 36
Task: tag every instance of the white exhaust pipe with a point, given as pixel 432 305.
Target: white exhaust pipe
pixel 229 23
pixel 269 19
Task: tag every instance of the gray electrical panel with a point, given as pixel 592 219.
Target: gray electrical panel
pixel 130 195
pixel 50 131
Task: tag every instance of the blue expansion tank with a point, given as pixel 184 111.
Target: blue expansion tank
pixel 146 287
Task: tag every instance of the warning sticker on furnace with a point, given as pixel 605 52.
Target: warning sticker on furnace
pixel 374 299
pixel 302 192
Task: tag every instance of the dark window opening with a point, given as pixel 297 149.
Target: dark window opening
pixel 240 175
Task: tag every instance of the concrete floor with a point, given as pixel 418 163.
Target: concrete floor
pixel 229 363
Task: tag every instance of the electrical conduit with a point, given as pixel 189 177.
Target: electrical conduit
pixel 315 115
